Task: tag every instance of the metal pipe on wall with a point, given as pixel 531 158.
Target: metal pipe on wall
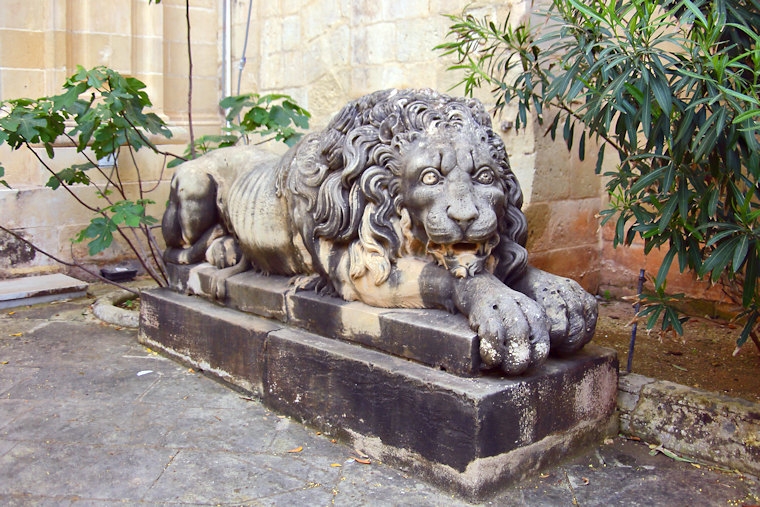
pixel 226 48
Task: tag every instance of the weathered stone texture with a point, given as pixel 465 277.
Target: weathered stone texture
pixel 691 422
pixel 432 337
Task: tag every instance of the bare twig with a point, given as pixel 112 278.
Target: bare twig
pixel 63 183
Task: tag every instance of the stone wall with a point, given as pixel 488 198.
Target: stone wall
pixel 41 44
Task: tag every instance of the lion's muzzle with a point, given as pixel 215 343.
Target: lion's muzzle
pixel 464 259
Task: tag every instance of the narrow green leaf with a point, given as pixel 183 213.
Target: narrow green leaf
pixel 740 253
pixel 746 115
pixel 582 146
pixel 654 315
pixel 600 159
pixel 662 273
pixel 666 213
pixel 751 273
pixel 2 173
pixel 729 230
pixel 716 263
pixel 695 11
pixel 747 329
pixel 646 180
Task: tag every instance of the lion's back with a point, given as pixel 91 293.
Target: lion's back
pixel 260 218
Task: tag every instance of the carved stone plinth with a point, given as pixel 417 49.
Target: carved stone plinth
pixel 400 384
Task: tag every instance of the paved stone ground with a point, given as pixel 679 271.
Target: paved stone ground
pixel 90 417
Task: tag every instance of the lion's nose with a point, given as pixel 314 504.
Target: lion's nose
pixel 463 212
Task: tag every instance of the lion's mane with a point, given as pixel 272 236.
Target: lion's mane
pixel 349 175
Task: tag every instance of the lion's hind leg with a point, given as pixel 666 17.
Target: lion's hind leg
pixel 196 251
pixel 191 221
pixel 218 285
pixel 224 252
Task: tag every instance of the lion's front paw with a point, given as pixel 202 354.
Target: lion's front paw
pixel 512 329
pixel 572 311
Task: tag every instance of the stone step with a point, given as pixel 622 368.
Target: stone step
pixel 432 337
pixel 39 289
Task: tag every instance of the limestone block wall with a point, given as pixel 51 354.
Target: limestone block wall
pixel 41 43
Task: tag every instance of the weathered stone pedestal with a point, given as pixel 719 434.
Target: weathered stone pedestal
pixel 403 385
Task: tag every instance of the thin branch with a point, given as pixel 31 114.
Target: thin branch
pixel 137 170
pixel 142 256
pixel 156 253
pixel 137 250
pixel 95 165
pixel 131 245
pixel 160 177
pixel 148 142
pixel 63 183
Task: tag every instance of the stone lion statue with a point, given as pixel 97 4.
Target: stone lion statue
pixel 406 199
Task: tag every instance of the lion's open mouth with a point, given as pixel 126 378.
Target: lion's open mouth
pixel 463 259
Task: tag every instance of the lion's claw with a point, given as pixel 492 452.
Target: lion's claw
pixel 513 330
pixel 571 311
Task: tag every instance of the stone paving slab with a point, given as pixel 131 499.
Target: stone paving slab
pixel 82 424
pixel 39 289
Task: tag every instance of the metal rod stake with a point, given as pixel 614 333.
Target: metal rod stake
pixel 636 308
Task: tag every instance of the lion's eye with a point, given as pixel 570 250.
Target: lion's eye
pixel 430 176
pixel 485 176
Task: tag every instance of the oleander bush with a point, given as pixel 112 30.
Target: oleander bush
pixel 671 88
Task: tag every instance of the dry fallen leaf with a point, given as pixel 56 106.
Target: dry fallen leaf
pixel 16 335
pixel 334 465
pixel 585 481
pixel 11 313
pixel 362 461
pixel 297 449
pixel 543 476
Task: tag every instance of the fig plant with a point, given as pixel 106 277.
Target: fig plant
pixel 105 116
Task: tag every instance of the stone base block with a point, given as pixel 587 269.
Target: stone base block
pixel 471 435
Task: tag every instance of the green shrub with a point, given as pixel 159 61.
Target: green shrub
pixel 671 87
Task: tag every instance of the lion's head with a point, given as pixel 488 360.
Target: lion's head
pixel 412 172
